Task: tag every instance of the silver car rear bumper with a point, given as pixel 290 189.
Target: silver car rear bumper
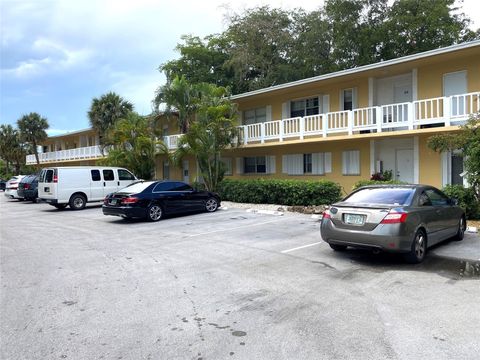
pixel 386 237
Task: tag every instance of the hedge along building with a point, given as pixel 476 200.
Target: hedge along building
pixel 347 125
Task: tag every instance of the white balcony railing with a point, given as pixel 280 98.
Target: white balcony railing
pixel 443 110
pixel 410 115
pixel 83 153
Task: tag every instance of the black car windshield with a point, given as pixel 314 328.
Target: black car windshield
pixel 382 196
pixel 136 188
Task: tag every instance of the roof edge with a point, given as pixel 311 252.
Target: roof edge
pixel 359 69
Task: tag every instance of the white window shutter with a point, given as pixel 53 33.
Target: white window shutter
pixel 269 113
pixel 342 104
pixel 351 162
pixel 325 104
pixel 354 98
pixel 297 164
pixel 286 110
pixel 239 169
pixel 328 162
pixel 345 159
pixel 270 164
pixel 284 164
pixel 228 165
pixel 240 117
pixel 318 167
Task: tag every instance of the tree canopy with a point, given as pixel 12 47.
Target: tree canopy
pixel 106 110
pixel 32 129
pixel 267 46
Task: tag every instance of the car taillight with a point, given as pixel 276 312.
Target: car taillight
pixel 55 178
pixel 105 201
pixel 326 215
pixel 26 186
pixel 395 218
pixel 129 200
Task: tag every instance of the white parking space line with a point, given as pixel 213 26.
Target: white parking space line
pixel 300 247
pixel 235 228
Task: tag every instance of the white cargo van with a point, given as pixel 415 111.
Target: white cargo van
pixel 78 185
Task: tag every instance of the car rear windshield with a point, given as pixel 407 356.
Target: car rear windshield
pixel 382 196
pixel 136 188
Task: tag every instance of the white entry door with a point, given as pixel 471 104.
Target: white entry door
pixel 404 165
pixel 455 84
pixel 186 176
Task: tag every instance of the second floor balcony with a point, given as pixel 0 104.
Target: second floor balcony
pixel 81 153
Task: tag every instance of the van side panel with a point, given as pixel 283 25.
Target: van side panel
pixel 71 181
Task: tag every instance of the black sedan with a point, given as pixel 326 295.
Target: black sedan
pixel 28 188
pixel 154 199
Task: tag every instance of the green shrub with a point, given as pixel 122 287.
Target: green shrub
pixel 361 183
pixel 279 191
pixel 466 199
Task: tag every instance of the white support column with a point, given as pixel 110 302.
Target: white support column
pixel 411 115
pixel 371 91
pixel 372 157
pixel 245 135
pixel 281 131
pixel 447 106
pixel 414 84
pixel 262 132
pixel 379 118
pixel 324 125
pixel 416 159
pixel 446 173
pixel 302 127
pixel 350 122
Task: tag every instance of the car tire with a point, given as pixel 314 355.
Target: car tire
pixel 154 212
pixel 77 202
pixel 211 205
pixel 461 229
pixel 419 248
pixel 337 247
pixel 60 206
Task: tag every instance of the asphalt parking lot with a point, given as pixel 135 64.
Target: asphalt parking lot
pixel 228 285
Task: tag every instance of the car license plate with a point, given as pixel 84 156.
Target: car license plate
pixel 354 219
pixel 113 202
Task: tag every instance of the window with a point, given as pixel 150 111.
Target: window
pixel 255 116
pixel 300 164
pixel 108 175
pixel 436 197
pixel 457 168
pixel 95 175
pixel 181 186
pixel 164 186
pixel 347 99
pixel 46 176
pixel 166 170
pixel 304 107
pixel 255 164
pixel 125 175
pixel 351 162
pixel 307 163
pixel 227 163
pixel 384 196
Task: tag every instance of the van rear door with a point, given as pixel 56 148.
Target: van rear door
pixel 47 184
pixel 96 185
pixel 110 181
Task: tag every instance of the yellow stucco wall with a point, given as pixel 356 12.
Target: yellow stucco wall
pixel 430 77
pixel 430 165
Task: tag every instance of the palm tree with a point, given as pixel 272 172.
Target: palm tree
pixel 33 131
pixel 181 97
pixel 105 111
pixel 134 145
pixel 212 133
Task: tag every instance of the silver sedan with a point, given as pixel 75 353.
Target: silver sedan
pixel 396 218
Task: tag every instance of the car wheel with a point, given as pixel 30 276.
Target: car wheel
pixel 337 247
pixel 154 212
pixel 461 229
pixel 78 202
pixel 60 206
pixel 419 248
pixel 211 205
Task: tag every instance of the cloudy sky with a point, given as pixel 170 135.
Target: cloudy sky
pixel 56 55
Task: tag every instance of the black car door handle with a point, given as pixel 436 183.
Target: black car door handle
pixel 104 184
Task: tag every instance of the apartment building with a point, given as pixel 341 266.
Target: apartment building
pixel 347 125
